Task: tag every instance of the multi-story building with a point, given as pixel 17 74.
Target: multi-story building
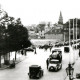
pixel 72 29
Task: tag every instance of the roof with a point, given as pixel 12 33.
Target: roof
pixel 54 60
pixel 34 66
pixel 55 31
pixel 56 49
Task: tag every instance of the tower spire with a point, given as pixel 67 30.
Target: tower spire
pixel 60 19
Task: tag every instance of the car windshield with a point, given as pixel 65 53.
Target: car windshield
pixel 56 52
pixel 54 61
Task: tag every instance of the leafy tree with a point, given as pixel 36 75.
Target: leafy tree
pixel 2 42
pixel 41 26
pixel 17 37
pixel 13 38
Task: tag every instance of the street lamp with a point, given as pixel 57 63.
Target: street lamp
pixel 69 71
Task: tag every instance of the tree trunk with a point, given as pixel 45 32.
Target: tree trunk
pixel 25 53
pixel 15 55
pixel 9 56
pixel 6 59
pixel 0 60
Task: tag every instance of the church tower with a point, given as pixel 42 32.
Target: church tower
pixel 60 19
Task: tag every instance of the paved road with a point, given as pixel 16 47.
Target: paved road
pixel 22 68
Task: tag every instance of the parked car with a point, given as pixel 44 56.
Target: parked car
pixel 41 47
pixel 46 46
pixel 59 44
pixel 35 72
pixel 66 43
pixel 54 65
pixel 68 49
pixel 29 49
pixel 78 75
pixel 56 54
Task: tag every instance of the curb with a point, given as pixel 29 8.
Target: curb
pixel 7 66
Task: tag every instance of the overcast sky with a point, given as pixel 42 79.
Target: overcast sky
pixel 35 11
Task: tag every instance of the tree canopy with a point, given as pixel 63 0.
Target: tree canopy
pixel 13 35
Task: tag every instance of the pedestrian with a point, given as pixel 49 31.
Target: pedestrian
pixel 79 52
pixel 13 64
pixel 35 51
pixel 22 52
pixel 50 49
pixel 47 62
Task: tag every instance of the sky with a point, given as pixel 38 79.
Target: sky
pixel 36 11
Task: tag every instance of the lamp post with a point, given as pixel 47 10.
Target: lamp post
pixel 69 71
pixel 76 33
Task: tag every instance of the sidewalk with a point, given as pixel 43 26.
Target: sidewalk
pixel 18 60
pixel 76 67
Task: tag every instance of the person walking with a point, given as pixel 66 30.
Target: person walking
pixel 47 62
pixel 13 62
pixel 35 51
pixel 79 52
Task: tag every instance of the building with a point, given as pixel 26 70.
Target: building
pixel 56 32
pixel 48 31
pixel 60 19
pixel 74 29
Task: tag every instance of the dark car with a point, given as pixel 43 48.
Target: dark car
pixel 41 47
pixel 54 65
pixel 56 54
pixel 29 49
pixel 35 72
pixel 78 75
pixel 45 46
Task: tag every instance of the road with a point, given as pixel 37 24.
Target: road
pixel 20 72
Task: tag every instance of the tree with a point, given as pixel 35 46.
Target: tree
pixel 17 37
pixel 2 42
pixel 12 38
pixel 41 26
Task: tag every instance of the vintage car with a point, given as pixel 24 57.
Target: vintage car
pixel 78 75
pixel 54 65
pixel 68 49
pixel 46 46
pixel 57 44
pixel 56 54
pixel 35 72
pixel 29 49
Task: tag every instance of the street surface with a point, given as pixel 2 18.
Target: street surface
pixel 20 72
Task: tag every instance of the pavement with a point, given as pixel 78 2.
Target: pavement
pixel 76 67
pixel 18 60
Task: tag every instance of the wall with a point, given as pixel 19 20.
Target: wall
pixel 54 36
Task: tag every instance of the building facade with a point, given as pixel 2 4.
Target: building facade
pixel 74 26
pixel 56 32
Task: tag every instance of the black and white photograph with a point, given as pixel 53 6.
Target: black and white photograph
pixel 39 39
